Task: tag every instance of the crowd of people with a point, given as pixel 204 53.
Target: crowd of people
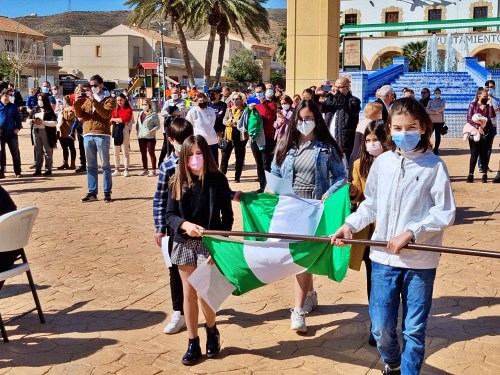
pixel 315 139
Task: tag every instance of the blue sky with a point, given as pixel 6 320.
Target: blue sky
pixel 19 8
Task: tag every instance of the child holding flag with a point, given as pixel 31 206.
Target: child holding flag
pixel 199 198
pixel 408 193
pixel 309 156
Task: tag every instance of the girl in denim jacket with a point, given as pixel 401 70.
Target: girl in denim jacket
pixel 310 157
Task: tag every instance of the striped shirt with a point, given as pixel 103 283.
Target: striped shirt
pixel 304 172
pixel 167 169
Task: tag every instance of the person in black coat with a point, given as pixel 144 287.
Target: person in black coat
pixel 341 111
pixel 386 97
pixel 7 205
pixel 199 198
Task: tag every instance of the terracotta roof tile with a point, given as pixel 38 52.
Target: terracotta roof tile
pixel 9 25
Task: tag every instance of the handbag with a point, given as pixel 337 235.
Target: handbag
pixel 444 130
pixel 224 143
pixel 118 134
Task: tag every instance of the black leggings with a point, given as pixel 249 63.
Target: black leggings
pixel 68 146
pixel 166 149
pixel 239 153
pixel 478 149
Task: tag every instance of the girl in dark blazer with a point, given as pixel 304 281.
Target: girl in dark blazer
pixel 199 198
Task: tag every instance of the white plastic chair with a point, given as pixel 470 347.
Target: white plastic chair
pixel 15 230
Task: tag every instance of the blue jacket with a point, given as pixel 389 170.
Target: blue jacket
pixel 31 101
pixel 331 173
pixel 10 119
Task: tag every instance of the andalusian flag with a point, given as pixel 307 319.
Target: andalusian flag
pixel 251 263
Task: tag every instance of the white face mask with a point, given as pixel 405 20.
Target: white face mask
pixel 96 90
pixel 40 103
pixel 374 148
pixel 145 107
pixel 177 147
pixel 11 99
pixel 55 92
pixel 306 127
pixel 286 107
pixel 175 96
pixel 185 96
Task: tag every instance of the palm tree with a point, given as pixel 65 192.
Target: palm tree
pixel 149 10
pixel 281 47
pixel 223 15
pixel 415 53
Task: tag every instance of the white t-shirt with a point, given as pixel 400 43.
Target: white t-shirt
pixel 203 121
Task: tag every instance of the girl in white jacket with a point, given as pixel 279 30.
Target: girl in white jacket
pixel 408 193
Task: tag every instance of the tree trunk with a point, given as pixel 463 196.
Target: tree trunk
pixel 185 53
pixel 222 49
pixel 210 52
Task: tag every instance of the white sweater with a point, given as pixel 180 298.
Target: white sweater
pixel 410 192
pixel 203 122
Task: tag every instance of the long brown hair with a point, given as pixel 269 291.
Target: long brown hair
pixel 411 107
pixel 183 178
pixel 291 137
pixel 365 158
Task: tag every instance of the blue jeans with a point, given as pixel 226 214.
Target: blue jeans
pixel 414 288
pixel 97 144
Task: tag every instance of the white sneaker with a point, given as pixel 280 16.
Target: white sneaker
pixel 126 173
pixel 177 323
pixel 311 302
pixel 152 174
pixel 115 173
pixel 143 173
pixel 298 321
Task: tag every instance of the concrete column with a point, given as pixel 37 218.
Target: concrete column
pixel 313 29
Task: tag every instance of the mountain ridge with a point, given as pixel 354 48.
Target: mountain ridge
pixel 61 26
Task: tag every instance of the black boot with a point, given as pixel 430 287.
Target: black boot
pixel 496 180
pixel 213 341
pixel 484 178
pixel 193 353
pixel 470 178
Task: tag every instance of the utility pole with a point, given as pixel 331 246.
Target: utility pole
pixel 45 58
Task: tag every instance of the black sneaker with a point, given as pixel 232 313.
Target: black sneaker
pixel 107 197
pixel 47 173
pixel 391 370
pixel 81 169
pixel 37 173
pixel 89 198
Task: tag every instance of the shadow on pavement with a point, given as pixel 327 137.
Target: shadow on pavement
pixel 345 337
pixel 11 290
pixel 469 215
pixel 68 335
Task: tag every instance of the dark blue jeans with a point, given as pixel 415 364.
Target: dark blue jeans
pixel 13 142
pixel 413 288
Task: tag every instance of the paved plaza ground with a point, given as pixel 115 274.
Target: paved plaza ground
pixel 104 289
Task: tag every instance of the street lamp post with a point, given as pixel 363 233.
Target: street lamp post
pixel 160 27
pixel 45 59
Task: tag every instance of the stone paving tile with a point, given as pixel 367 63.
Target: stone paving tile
pixel 104 290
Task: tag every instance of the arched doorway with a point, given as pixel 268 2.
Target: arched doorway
pixel 489 53
pixel 384 57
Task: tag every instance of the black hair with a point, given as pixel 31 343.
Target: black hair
pixel 96 77
pixel 124 97
pixel 365 158
pixel 487 83
pixel 180 129
pixel 291 137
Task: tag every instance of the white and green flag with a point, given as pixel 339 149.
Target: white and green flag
pixel 249 264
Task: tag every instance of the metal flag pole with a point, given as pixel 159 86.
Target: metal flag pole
pixel 284 236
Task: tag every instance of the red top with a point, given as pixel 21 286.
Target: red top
pixel 268 112
pixel 125 114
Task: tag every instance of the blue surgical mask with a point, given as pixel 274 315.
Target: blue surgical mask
pixel 437 96
pixel 45 90
pixel 406 140
pixel 269 93
pixel 492 91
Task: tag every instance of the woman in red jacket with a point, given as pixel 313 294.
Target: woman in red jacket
pixel 121 120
